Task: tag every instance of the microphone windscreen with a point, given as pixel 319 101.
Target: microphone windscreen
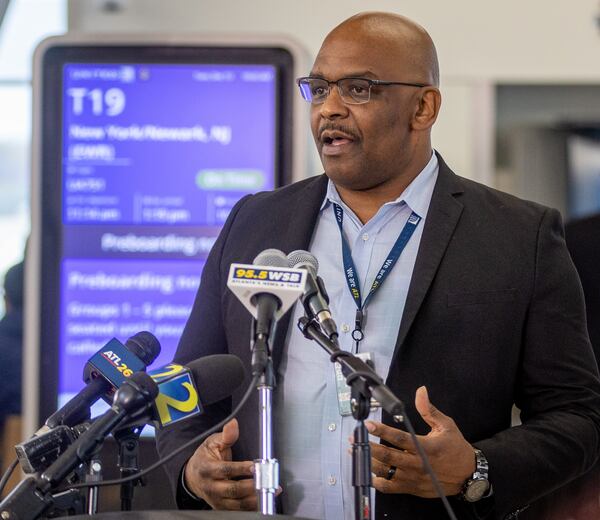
pixel 134 396
pixel 145 383
pixel 216 376
pixel 145 346
pixel 271 257
pixel 300 258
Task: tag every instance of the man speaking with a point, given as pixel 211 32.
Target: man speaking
pixel 481 310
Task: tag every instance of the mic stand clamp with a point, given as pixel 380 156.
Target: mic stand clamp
pixel 93 474
pixel 67 503
pixel 266 468
pixel 128 441
pixel 361 451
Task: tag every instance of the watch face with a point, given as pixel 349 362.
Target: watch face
pixel 476 489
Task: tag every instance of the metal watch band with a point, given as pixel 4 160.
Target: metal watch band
pixel 482 466
pixel 477 486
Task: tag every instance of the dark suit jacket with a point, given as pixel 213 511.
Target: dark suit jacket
pixel 494 316
pixel 579 499
pixel 583 241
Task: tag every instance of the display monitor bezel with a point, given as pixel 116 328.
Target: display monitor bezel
pixel 46 252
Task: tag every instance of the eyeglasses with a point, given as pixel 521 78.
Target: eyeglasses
pixel 354 91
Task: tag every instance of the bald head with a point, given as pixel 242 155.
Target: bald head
pixel 374 147
pixel 395 35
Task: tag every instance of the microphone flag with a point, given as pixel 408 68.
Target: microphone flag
pixel 247 281
pixel 115 362
pixel 177 397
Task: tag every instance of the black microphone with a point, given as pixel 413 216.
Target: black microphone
pixel 104 372
pixel 134 396
pixel 267 303
pixel 314 298
pixel 185 390
pixel 267 288
pixel 32 497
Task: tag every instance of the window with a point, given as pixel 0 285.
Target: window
pixel 25 24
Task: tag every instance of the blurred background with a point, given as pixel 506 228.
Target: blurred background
pixel 520 83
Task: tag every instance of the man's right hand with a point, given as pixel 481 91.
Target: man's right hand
pixel 210 473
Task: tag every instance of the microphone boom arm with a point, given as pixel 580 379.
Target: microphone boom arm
pixel 360 375
pixel 355 370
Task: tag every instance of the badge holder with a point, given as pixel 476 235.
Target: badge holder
pixel 364 384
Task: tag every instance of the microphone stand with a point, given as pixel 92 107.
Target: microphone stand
pixel 34 495
pixel 361 452
pixel 364 383
pixel 266 468
pixel 128 440
pixel 93 474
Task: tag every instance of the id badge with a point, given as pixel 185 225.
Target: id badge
pixel 343 390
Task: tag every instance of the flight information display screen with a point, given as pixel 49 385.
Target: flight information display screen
pixel 153 158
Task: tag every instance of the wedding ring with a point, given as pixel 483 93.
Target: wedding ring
pixel 391 472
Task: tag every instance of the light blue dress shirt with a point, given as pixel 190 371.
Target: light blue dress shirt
pixel 311 437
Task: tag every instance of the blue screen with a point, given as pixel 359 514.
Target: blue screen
pixel 154 157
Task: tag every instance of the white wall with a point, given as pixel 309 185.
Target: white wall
pixel 479 43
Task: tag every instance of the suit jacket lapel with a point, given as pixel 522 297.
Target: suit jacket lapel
pixel 442 217
pixel 298 233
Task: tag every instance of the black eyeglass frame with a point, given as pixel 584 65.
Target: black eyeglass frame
pixel 371 82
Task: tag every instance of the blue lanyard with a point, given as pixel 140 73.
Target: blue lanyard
pixel 384 271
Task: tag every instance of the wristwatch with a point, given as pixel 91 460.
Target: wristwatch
pixel 478 485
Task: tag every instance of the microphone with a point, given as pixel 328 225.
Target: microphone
pixel 267 288
pixel 267 303
pixel 314 297
pixel 32 497
pixel 185 391
pixel 41 450
pixel 104 372
pixel 133 396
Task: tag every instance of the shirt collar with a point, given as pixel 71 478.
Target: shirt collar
pixel 417 194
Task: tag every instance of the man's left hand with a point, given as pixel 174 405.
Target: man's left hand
pixel 450 455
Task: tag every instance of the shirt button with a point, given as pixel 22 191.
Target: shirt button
pixel 332 426
pixel 345 327
pixel 331 480
pixel 365 236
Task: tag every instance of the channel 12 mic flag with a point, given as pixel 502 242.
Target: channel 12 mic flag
pixel 178 397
